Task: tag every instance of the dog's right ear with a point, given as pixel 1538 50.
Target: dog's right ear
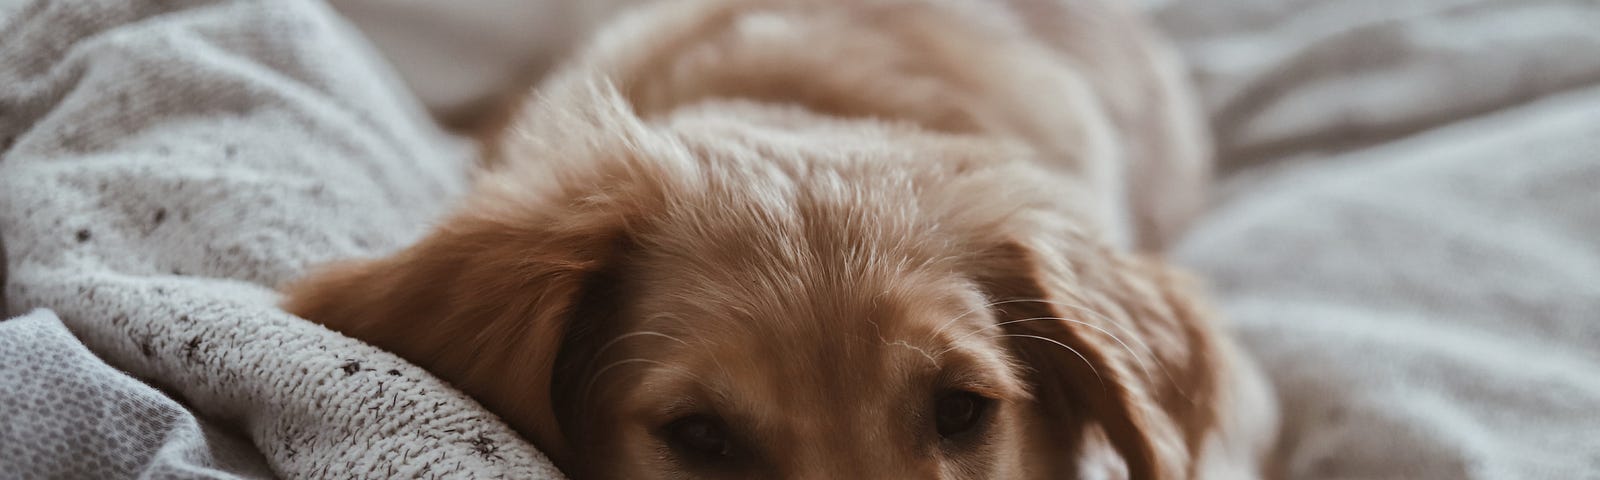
pixel 486 300
pixel 1115 341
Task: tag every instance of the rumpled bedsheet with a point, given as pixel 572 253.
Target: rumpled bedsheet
pixel 1410 237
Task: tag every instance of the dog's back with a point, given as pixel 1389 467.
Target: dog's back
pixel 1088 82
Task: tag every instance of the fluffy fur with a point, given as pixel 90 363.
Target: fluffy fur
pixel 809 221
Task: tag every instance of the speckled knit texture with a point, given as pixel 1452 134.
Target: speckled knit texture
pixel 69 415
pixel 167 163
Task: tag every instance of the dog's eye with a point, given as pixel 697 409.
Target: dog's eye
pixel 701 437
pixel 959 412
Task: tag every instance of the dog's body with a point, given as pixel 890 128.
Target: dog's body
pixel 834 239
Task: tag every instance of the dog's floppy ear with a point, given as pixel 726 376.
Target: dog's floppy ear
pixel 486 300
pixel 1112 341
pixel 483 303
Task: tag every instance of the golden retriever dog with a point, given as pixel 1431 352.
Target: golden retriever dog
pixel 834 239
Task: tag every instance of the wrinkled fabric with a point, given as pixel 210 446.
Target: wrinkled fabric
pixel 166 164
pixel 69 415
pixel 1430 308
pixel 1408 237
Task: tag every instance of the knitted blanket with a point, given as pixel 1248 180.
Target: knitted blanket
pixel 165 165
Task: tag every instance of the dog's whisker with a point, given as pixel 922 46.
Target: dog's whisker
pixel 1122 326
pixel 1074 351
pixel 1136 339
pixel 626 336
pixel 588 387
pixel 616 341
pixel 948 323
pixel 1143 366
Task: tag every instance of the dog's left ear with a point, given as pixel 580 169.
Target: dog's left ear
pixel 484 303
pixel 1113 341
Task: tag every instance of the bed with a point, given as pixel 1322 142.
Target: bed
pixel 1405 234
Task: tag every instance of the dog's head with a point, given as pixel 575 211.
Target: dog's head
pixel 786 295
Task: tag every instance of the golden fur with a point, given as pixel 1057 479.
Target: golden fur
pixel 812 223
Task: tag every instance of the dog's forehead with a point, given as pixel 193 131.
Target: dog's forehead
pixel 801 289
pixel 819 283
pixel 765 364
pixel 758 305
pixel 862 337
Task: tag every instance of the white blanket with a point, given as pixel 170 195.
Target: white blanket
pixel 69 415
pixel 166 164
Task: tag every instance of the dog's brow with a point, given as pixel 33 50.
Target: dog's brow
pixel 932 359
pixel 914 348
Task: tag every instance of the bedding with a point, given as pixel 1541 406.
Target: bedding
pixel 1428 308
pixel 69 415
pixel 166 164
pixel 1406 239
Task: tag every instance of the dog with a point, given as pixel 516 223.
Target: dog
pixel 834 239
